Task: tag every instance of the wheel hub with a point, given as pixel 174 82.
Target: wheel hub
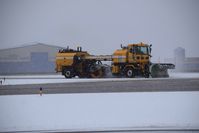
pixel 67 73
pixel 129 73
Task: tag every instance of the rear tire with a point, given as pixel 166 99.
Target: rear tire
pixel 130 73
pixel 67 73
pixel 146 71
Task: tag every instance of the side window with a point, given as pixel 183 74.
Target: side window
pixel 139 50
pixel 133 49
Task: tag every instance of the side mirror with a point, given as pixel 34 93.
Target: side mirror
pixel 150 49
pixel 121 46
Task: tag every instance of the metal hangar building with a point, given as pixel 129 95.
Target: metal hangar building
pixel 29 59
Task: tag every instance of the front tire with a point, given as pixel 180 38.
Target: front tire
pixel 130 73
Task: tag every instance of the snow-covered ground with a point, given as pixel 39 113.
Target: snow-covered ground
pixel 100 111
pixel 43 79
pixel 184 75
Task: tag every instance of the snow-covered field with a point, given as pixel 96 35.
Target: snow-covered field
pixel 43 79
pixel 100 111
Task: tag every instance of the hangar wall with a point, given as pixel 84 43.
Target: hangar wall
pixel 35 59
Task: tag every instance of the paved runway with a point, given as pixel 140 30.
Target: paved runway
pixel 146 85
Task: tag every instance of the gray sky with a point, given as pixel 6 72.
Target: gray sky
pixel 100 26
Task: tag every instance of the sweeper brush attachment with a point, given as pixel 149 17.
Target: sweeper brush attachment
pixel 158 70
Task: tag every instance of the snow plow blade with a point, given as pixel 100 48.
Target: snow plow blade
pixel 158 70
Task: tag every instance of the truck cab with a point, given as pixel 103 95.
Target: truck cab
pixel 139 53
pixel 132 60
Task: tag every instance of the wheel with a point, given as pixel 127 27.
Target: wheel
pixel 130 73
pixel 67 73
pixel 146 71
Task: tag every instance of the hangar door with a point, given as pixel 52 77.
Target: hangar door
pixel 40 63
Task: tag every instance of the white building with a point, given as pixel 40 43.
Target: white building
pixel 183 63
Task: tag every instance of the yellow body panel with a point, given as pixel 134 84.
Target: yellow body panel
pixel 67 59
pixel 120 56
pixel 64 59
pixel 115 69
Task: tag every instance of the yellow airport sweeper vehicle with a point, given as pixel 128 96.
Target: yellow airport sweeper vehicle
pixel 129 61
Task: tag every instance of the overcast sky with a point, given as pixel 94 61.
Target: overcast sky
pixel 100 26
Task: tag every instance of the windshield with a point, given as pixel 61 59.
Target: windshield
pixel 140 50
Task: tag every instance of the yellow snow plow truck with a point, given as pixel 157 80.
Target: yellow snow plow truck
pixel 129 61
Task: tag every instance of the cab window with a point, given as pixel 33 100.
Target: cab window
pixel 139 50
